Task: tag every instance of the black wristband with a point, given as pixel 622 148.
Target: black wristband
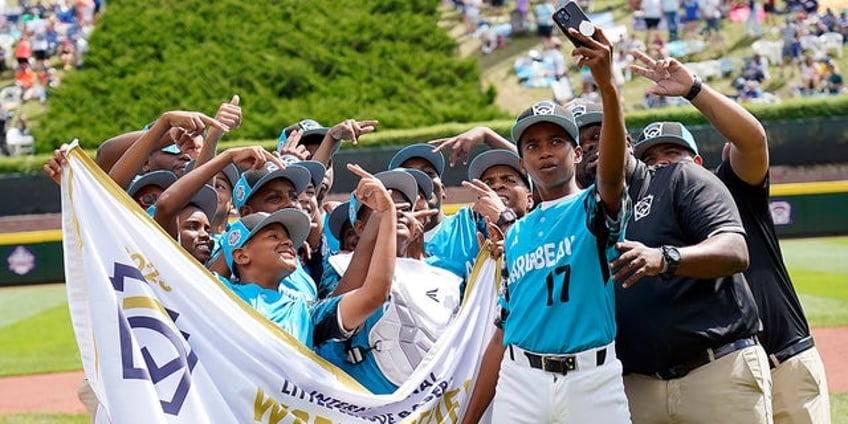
pixel 696 88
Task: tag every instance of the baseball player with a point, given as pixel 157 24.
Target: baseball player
pixel 423 301
pixel 557 326
pixel 799 384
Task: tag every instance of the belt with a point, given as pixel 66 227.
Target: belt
pixel 704 358
pixel 565 363
pixel 784 354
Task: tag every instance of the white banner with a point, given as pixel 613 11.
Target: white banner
pixel 162 340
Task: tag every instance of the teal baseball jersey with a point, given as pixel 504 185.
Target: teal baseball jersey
pixel 559 296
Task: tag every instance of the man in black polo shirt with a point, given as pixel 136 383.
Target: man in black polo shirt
pixel 685 328
pixel 799 383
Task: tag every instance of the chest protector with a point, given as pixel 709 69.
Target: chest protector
pixel 424 300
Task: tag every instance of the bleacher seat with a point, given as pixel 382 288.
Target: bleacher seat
pixel 831 41
pixel 19 143
pixel 771 50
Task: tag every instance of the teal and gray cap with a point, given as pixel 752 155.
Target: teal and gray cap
pixel 251 181
pixel 586 113
pixel 495 157
pixel 664 133
pixel 395 180
pixel 294 221
pixel 162 179
pixel 545 111
pixel 419 150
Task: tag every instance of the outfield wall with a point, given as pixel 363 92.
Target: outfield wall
pixel 799 210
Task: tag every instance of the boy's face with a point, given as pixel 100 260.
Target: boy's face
pixel 426 167
pixel 349 238
pixel 273 196
pixel 509 186
pixel 194 233
pixel 225 194
pixel 548 155
pixel 269 250
pixel 309 203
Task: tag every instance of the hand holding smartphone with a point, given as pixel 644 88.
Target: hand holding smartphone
pixel 572 16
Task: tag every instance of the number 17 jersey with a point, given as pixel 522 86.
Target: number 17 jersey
pixel 558 296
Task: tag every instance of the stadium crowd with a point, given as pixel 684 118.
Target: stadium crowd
pixel 631 280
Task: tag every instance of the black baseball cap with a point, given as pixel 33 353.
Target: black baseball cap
pixel 425 184
pixel 206 199
pixel 162 179
pixel 338 217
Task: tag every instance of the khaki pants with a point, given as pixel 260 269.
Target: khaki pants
pixel 800 390
pixel 733 389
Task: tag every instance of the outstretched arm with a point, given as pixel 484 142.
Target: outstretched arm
pixel 228 114
pixel 178 195
pixel 597 55
pixel 130 163
pixel 487 379
pixel 356 306
pixel 749 155
pixel 460 145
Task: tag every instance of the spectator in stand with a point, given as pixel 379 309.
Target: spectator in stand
pixel 711 14
pixel 67 55
pixel 23 50
pixel 810 76
pixel 833 80
pixel 653 15
pixel 752 24
pixel 690 17
pixel 789 35
pixel 553 55
pixel 670 10
pixel 770 8
pixel 544 12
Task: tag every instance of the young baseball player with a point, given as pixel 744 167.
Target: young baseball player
pixel 261 250
pixel 557 325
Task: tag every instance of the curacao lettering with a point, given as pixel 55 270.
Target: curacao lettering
pixel 545 256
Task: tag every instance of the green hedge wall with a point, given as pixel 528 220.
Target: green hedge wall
pixel 287 59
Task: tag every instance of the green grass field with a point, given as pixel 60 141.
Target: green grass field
pixel 37 337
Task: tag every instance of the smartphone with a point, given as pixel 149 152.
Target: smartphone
pixel 572 16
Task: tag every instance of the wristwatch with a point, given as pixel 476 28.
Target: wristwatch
pixel 671 256
pixel 507 217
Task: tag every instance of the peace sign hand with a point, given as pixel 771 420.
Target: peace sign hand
pixel 670 77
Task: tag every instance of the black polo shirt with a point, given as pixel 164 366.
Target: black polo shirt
pixel 783 319
pixel 666 321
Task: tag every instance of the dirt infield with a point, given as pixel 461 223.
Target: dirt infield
pixel 58 392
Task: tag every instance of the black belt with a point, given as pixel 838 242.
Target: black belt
pixel 560 364
pixel 704 358
pixel 784 354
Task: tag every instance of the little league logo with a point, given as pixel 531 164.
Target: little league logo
pixel 544 108
pixel 240 192
pixel 578 111
pixel 234 238
pixel 653 130
pixel 167 356
pixel 643 207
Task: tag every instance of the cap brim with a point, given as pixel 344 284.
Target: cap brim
pixel 206 199
pixel 297 175
pixel 338 217
pixel 316 169
pixel 231 171
pixel 560 121
pixel 423 151
pixel 589 118
pixel 400 181
pixel 313 136
pixel 295 222
pixel 491 158
pixel 641 148
pixel 161 179
pixel 422 180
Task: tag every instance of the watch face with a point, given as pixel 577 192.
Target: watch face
pixel 672 254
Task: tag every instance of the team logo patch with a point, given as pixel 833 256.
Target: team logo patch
pixel 270 167
pixel 544 108
pixel 234 238
pixel 578 110
pixel 308 124
pixel 240 192
pixel 653 130
pixel 21 261
pixel 643 207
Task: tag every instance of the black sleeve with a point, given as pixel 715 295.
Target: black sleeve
pixel 728 176
pixel 703 204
